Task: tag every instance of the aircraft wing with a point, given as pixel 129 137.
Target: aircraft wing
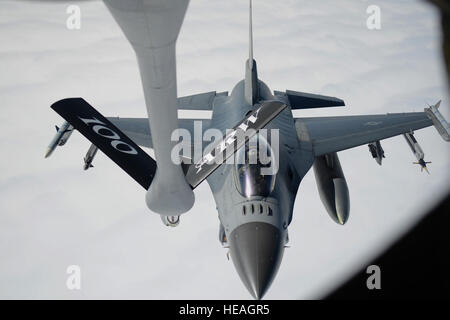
pixel 332 134
pixel 138 129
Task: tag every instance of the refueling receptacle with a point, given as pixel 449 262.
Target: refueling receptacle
pixel 170 221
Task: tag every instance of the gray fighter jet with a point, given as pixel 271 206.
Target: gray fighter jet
pixel 255 206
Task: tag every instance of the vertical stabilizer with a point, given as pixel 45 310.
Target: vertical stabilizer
pixel 251 74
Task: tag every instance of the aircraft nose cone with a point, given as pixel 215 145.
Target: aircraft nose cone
pixel 256 249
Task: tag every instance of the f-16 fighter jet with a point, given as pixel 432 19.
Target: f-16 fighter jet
pixel 255 167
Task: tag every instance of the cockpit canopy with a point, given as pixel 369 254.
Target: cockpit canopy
pixel 254 170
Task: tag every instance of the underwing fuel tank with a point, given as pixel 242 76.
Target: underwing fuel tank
pixel 332 186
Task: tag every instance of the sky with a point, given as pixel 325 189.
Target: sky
pixel 53 214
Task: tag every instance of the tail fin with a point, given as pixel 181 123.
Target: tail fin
pixel 251 74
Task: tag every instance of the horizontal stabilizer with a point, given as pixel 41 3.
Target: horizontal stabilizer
pixel 108 138
pixel 201 101
pixel 302 100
